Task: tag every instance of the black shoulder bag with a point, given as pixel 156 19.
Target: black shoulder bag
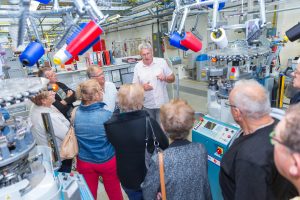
pixel 148 155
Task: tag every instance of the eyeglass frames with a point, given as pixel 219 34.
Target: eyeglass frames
pixel 230 105
pixel 274 140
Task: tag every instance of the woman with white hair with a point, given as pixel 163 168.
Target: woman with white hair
pixel 127 132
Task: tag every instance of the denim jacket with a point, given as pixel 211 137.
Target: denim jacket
pixel 92 141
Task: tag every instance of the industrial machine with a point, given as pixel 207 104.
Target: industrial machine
pixel 217 137
pixel 27 171
pixel 235 62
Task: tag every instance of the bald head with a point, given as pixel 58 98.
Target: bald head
pixel 251 98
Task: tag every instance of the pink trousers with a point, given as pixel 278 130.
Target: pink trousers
pixel 108 171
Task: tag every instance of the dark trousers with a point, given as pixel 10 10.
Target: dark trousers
pixel 133 194
pixel 66 166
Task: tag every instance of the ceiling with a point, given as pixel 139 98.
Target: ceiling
pixel 52 20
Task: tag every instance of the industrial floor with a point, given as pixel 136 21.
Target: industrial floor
pixel 194 92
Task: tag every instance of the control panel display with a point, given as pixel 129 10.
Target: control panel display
pixel 216 130
pixel 210 125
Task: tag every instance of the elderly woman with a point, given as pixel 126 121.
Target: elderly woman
pixel 42 103
pixel 127 132
pixel 185 163
pixel 96 155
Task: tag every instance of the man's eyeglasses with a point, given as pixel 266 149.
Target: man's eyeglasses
pixel 230 105
pixel 274 140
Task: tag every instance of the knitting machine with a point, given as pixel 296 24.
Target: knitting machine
pixel 27 171
pixel 237 61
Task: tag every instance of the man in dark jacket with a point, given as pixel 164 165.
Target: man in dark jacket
pixel 247 168
pixel 64 97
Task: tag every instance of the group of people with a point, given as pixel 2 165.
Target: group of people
pixel 115 145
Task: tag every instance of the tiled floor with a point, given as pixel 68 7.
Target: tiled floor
pixel 194 92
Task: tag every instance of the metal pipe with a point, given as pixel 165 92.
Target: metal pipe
pixel 22 22
pixel 55 5
pixel 34 28
pixel 262 11
pixel 215 14
pixel 95 10
pixel 46 13
pixel 172 27
pixel 177 3
pixel 183 20
pixel 80 7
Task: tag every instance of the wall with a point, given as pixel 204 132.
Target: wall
pixel 286 20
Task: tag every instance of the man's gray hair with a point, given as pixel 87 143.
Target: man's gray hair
pixel 251 98
pixel 144 45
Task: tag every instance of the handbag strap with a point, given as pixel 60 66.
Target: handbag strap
pixel 162 175
pixel 73 114
pixel 155 141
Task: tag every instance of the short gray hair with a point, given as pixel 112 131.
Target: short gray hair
pixel 144 45
pixel 251 98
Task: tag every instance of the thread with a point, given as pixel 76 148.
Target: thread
pixel 61 56
pixel 75 34
pixel 88 34
pixel 44 1
pixel 221 5
pixel 190 41
pixel 175 41
pixel 33 52
pixel 293 33
pixel 219 38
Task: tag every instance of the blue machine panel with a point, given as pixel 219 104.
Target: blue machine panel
pixel 73 186
pixel 217 137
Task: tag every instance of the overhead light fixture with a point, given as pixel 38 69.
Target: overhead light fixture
pixel 113 18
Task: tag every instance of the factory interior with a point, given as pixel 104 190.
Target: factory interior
pixel 203 46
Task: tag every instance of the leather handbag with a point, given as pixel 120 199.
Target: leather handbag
pixel 162 175
pixel 69 146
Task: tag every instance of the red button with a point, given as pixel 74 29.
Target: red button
pixel 229 136
pixel 219 151
pixel 71 174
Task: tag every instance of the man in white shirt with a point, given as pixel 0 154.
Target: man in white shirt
pixel 110 91
pixel 153 74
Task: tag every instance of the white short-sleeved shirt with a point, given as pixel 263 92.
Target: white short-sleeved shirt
pixel 110 95
pixel 148 73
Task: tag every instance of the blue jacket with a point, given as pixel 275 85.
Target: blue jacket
pixel 92 141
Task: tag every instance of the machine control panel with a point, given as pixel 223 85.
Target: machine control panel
pixel 216 130
pixel 74 186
